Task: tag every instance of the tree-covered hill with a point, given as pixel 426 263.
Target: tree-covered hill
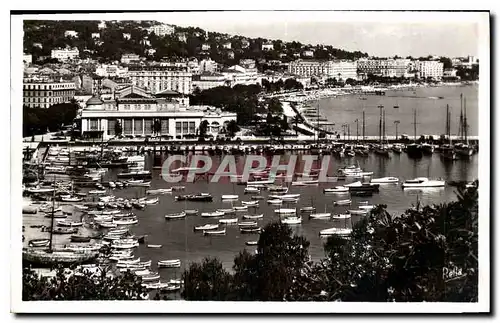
pixel 184 42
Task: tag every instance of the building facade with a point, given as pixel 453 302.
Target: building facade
pixel 161 30
pixel 136 112
pixel 324 68
pixel 208 80
pixel 129 58
pixel 43 94
pixel 64 54
pixel 384 67
pixel 432 69
pixel 157 79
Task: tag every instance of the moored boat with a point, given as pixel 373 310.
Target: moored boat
pixel 422 182
pixel 175 216
pixel 253 216
pixel 171 263
pixel 206 227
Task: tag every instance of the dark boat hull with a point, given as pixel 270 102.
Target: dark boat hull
pixel 414 151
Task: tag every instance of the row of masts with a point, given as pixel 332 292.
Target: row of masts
pixel 462 131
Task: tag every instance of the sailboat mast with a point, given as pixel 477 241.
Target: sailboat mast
pixel 461 123
pixel 380 125
pixel 52 215
pixel 383 125
pixel 363 125
pixel 415 124
pixel 465 121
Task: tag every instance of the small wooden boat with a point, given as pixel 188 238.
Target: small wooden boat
pixel 175 216
pixel 250 229
pixel 337 189
pixel 191 212
pixel 240 208
pixel 154 246
pixel 341 216
pixel 252 190
pixel 252 243
pixel 250 203
pixel 152 201
pixel 292 220
pixel 285 211
pixel 228 221
pixel 64 223
pixel 39 243
pixel 126 222
pixel 107 225
pixel 257 197
pixel 307 209
pixel 75 238
pixel 320 215
pixel 72 199
pixel 81 207
pixel 253 217
pixel 358 212
pixel 150 277
pixel 229 197
pixel 275 201
pixel 206 227
pixel 247 224
pixel 385 180
pixel 215 232
pixel 227 211
pixel 214 214
pixel 159 191
pixel 366 207
pixel 64 230
pixel 336 231
pixel 172 263
pixel 342 202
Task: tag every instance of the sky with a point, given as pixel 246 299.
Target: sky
pixel 376 33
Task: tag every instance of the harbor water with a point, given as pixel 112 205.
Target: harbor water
pixel 180 241
pixel 429 103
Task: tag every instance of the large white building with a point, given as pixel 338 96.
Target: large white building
pixel 136 111
pixel 384 67
pixel 157 79
pixel 64 54
pixel 161 30
pixel 43 94
pixel 432 69
pixel 323 68
pixel 129 58
pixel 208 80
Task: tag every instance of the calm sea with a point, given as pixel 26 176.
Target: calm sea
pixel 430 104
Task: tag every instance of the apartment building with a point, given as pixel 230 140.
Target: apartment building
pixel 65 54
pixel 43 94
pixel 432 69
pixel 158 79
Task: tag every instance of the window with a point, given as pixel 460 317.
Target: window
pixel 178 127
pixel 93 124
pixel 164 126
pixel 127 106
pixel 137 126
pixel 192 127
pixel 148 107
pixel 137 106
pixel 185 127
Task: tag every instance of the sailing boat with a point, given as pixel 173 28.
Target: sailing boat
pixel 414 150
pixel 463 149
pixel 447 150
pixel 381 149
pixel 50 257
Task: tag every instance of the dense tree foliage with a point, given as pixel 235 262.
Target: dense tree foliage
pixel 185 42
pixel 426 254
pixel 207 281
pixel 80 285
pixel 39 120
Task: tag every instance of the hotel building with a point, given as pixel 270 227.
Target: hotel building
pixel 43 94
pixel 384 67
pixel 157 79
pixel 137 110
pixel 308 68
pixel 433 69
pixel 64 54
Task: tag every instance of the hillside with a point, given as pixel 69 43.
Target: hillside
pixel 184 42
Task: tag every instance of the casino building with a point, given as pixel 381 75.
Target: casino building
pixel 137 110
